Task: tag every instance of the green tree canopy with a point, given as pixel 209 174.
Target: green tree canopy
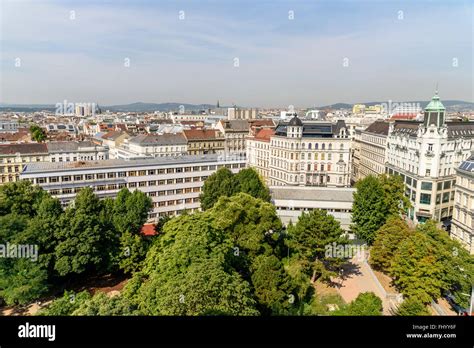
pixel 412 306
pixel 223 183
pixel 417 268
pixel 365 304
pixel 311 236
pixel 376 199
pixel 37 133
pixel 386 243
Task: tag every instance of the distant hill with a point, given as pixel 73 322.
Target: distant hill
pixel 134 107
pixel 149 107
pixel 459 104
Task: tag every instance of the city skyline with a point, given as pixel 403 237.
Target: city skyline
pixel 269 54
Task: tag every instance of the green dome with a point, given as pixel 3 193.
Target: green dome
pixel 435 104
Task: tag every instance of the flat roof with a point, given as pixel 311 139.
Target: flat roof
pixel 40 167
pixel 313 193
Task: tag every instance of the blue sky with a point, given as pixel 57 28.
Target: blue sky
pixel 395 50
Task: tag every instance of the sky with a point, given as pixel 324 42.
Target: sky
pixel 261 53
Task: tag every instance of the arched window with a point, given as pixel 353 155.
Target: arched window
pixel 316 146
pixel 342 146
pixel 309 146
pixel 330 146
pixel 323 146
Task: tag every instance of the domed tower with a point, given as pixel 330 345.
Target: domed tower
pixel 295 127
pixel 434 113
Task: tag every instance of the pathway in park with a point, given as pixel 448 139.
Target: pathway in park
pixel 357 278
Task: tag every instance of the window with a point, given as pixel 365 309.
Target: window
pixel 170 181
pixel 142 173
pixel 132 184
pixel 111 175
pixel 446 197
pixel 142 183
pixel 439 186
pixel 426 185
pixel 425 198
pixel 430 147
pixel 122 174
pixel 151 172
pixel 132 173
pixel 447 185
pixel 428 172
pixel 101 176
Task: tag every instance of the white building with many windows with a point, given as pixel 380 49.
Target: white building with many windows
pixel 426 154
pixel 174 184
pixel 310 153
pixel 462 227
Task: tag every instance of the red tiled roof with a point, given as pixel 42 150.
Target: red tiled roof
pixel 148 230
pixel 264 134
pixel 403 117
pixel 262 122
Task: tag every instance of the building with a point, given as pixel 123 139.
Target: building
pixel 290 202
pixel 372 144
pixel 258 151
pixel 462 227
pixel 8 125
pixel 173 184
pixel 235 113
pixel 234 132
pixel 113 140
pixel 13 157
pixel 71 151
pixel 156 145
pixel 426 155
pixel 310 153
pixel 204 141
pixel 358 109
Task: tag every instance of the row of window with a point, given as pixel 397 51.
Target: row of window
pixel 175 202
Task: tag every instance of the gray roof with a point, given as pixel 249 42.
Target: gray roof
pixel 313 193
pixel 236 125
pixel 41 167
pixel 468 166
pixel 68 146
pixel 159 139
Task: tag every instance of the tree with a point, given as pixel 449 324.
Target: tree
pixel 412 306
pixel 368 212
pixel 376 199
pixel 66 304
pixel 225 184
pixel 21 280
pixel 251 223
pixel 131 210
pixel 20 197
pixel 105 305
pixel 417 269
pixel 202 288
pixel 365 304
pixel 219 184
pixel 309 239
pixel 458 264
pixel 81 244
pixel 37 133
pixel 248 181
pixel 386 243
pixel 274 288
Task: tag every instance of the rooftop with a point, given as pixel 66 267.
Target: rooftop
pixel 41 167
pixel 308 193
pixel 378 127
pixel 23 149
pixel 159 139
